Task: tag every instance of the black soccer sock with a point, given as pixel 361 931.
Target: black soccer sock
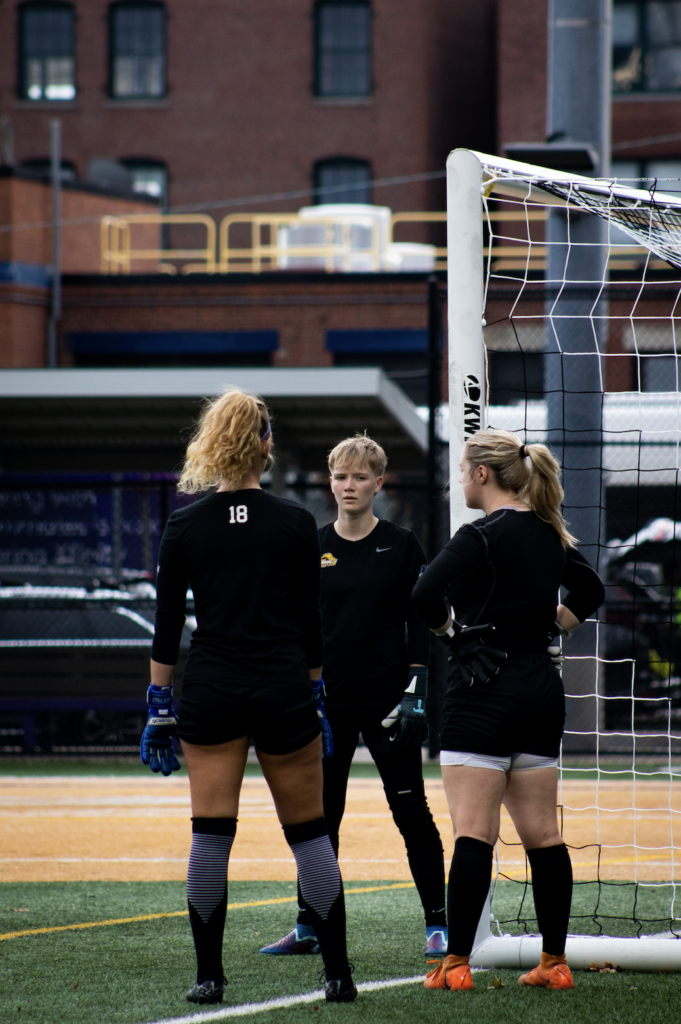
pixel 212 840
pixel 428 871
pixel 552 889
pixel 469 881
pixel 321 891
pixel 424 847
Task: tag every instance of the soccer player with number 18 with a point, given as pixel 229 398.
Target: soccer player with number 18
pixel 252 561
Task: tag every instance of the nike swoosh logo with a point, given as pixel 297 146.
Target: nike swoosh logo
pixel 384 549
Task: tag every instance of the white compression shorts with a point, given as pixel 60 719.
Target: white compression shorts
pixel 516 762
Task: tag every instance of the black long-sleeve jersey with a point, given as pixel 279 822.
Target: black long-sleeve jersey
pixel 507 569
pixel 252 562
pixel 366 605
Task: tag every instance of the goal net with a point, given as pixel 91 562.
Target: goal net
pixel 564 301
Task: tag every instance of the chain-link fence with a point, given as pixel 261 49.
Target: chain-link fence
pixel 78 562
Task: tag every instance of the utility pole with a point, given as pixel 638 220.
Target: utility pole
pixel 55 312
pixel 579 111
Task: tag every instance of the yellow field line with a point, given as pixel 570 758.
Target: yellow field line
pixel 593 863
pixel 183 913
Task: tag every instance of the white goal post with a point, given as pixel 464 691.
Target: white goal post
pixel 641 229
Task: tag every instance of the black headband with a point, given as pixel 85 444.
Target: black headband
pixel 269 427
pixel 521 452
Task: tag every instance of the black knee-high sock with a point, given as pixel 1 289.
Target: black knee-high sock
pixel 321 890
pixel 552 889
pixel 469 881
pixel 212 840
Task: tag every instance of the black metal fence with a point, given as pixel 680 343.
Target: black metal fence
pixel 78 559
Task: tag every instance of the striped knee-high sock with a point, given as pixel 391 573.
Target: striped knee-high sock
pixel 321 889
pixel 212 840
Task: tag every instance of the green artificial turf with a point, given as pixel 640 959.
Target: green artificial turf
pixel 611 771
pixel 138 972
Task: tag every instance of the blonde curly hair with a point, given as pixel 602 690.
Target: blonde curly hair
pixel 227 441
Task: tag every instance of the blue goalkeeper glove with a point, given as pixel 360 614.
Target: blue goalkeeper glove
pixel 407 721
pixel 319 692
pixel 156 745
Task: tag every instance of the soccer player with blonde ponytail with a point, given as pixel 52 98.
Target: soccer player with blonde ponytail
pixel 492 595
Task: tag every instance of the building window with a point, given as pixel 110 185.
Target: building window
pixel 646 37
pixel 342 180
pixel 343 48
pixel 138 58
pixel 149 178
pixel 47 69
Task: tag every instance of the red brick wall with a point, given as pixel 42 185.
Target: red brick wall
pixel 643 118
pixel 26 207
pixel 23 330
pixel 240 118
pixel 302 311
pixel 522 49
pixel 24 203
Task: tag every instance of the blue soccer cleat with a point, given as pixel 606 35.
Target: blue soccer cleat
pixel 299 942
pixel 436 940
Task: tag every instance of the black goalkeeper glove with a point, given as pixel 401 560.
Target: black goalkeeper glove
pixel 407 721
pixel 477 661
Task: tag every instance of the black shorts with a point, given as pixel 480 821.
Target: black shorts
pixel 279 719
pixel 520 710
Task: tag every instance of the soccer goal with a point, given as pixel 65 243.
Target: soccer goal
pixel 564 300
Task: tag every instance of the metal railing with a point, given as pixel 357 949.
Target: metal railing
pixel 271 243
pixel 285 241
pixel 117 252
pixel 337 252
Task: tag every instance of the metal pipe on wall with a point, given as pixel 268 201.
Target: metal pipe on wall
pixel 55 313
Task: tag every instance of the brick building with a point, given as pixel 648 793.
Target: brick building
pixel 26 252
pixel 204 100
pixel 646 84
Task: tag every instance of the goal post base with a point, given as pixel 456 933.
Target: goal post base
pixel 583 951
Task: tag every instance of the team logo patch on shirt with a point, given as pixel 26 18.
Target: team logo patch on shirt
pixel 328 560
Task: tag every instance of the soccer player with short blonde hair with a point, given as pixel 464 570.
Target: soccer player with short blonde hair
pixel 376 650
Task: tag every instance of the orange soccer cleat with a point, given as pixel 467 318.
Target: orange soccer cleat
pixel 553 972
pixel 453 973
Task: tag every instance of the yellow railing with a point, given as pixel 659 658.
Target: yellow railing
pixel 418 217
pixel 269 243
pixel 278 252
pixel 117 252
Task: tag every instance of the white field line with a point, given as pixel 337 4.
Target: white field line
pixel 278 1004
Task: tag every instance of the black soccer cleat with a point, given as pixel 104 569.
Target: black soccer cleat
pixel 340 990
pixel 207 992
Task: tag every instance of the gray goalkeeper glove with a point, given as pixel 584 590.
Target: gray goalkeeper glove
pixel 555 648
pixel 407 721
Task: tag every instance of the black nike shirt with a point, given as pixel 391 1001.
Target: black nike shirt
pixel 372 631
pixel 252 562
